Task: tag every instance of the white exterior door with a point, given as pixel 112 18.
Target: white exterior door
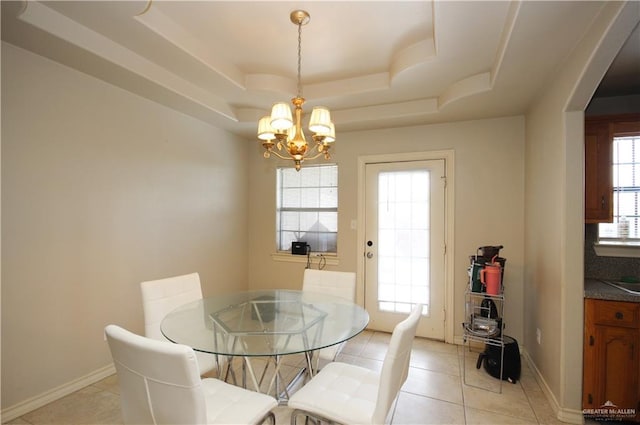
pixel 405 244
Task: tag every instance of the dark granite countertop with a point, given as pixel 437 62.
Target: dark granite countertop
pixel 596 289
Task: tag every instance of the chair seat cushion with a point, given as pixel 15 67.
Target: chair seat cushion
pixel 342 392
pixel 228 404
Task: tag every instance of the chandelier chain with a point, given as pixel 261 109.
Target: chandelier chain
pixel 299 59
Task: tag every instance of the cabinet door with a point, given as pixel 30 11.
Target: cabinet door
pixel 613 374
pixel 611 369
pixel 618 353
pixel 598 177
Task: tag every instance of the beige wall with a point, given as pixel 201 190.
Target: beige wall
pixel 102 189
pixel 489 202
pixel 554 225
pixel 543 236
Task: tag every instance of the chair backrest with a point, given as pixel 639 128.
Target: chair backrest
pixel 395 367
pixel 339 284
pixel 159 297
pixel 159 381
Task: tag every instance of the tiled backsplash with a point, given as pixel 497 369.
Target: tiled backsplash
pixel 605 267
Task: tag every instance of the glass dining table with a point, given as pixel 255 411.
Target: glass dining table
pixel 267 323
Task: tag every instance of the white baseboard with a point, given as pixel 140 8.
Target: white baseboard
pixel 47 397
pixel 571 416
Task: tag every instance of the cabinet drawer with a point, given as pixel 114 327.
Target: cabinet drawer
pixel 616 313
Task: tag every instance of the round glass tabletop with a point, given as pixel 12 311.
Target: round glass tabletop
pixel 264 323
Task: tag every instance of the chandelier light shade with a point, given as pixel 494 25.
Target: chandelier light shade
pixel 320 120
pixel 281 116
pixel 283 129
pixel 265 131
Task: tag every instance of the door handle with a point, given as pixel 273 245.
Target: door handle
pixel 369 254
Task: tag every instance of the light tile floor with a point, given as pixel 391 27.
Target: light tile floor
pixel 435 392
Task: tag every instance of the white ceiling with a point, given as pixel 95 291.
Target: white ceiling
pixel 375 64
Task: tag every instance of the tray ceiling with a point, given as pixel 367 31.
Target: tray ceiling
pixel 374 64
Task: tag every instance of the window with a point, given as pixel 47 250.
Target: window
pixel 626 192
pixel 307 207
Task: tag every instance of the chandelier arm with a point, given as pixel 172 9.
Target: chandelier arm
pixel 311 158
pixel 272 152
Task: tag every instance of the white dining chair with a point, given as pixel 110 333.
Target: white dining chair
pixel 161 296
pixel 339 284
pixel 160 384
pixel 349 394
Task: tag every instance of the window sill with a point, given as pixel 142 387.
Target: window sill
pixel 617 249
pixel 331 259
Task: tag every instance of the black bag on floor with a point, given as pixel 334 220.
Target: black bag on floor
pixel 491 358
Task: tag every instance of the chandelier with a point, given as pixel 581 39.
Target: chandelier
pixel 280 130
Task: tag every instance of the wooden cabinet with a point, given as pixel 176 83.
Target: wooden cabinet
pixel 598 178
pixel 598 159
pixel 611 370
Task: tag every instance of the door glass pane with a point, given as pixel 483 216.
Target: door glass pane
pixel 404 237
